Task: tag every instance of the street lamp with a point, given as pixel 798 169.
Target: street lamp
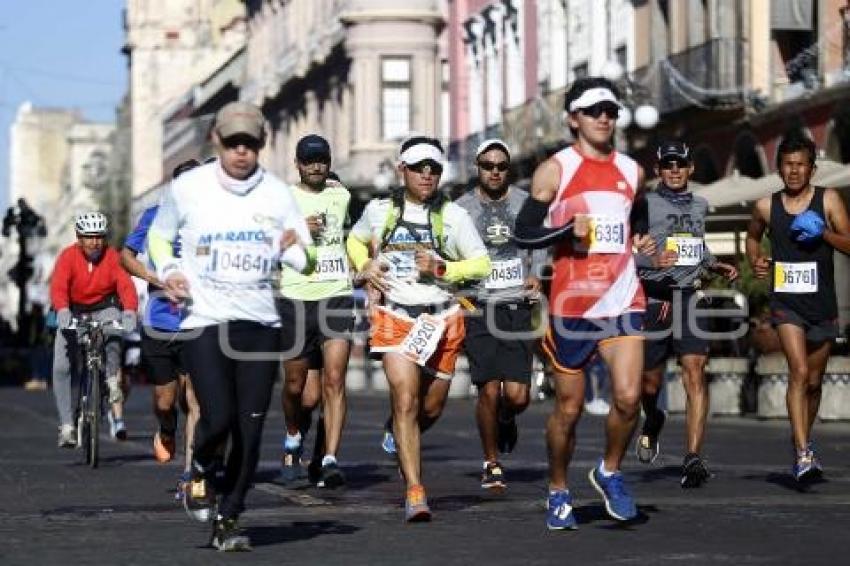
pixel 28 224
pixel 644 116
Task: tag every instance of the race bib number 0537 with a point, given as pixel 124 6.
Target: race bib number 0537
pixel 331 265
pixel 799 277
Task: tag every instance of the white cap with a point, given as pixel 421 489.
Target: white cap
pixel 420 152
pixel 490 144
pixel 593 96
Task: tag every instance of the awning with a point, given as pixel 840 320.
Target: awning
pixel 739 190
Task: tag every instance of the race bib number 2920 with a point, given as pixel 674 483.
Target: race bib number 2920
pixel 422 339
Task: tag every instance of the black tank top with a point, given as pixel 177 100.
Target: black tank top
pixel 813 307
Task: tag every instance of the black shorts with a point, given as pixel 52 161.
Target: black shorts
pixel 161 357
pixel 679 341
pixel 816 332
pixel 499 359
pixel 306 325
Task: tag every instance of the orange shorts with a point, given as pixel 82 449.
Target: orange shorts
pixel 389 328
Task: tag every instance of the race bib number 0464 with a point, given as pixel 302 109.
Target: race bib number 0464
pixel 240 264
pixel 795 277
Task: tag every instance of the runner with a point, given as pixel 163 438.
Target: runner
pixel 87 278
pixel 500 361
pixel 161 346
pixel 583 198
pixel 235 222
pixel 676 221
pixel 422 246
pixel 317 315
pixel 805 225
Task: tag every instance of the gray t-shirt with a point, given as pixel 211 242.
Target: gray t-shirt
pixel 495 221
pixel 680 227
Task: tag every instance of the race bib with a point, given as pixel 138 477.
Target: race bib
pixel 504 274
pixel 795 277
pixel 331 265
pixel 607 235
pixel 688 248
pixel 421 342
pixel 239 262
pixel 402 264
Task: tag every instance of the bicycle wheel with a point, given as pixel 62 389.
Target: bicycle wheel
pixel 93 415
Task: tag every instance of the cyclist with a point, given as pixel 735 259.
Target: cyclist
pixel 88 278
pixel 584 196
pixel 500 365
pixel 676 220
pixel 805 224
pixel 317 316
pixel 421 246
pixel 161 345
pixel 235 221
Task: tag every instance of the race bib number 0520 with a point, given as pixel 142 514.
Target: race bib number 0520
pixel 421 342
pixel 799 277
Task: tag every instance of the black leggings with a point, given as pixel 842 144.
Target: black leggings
pixel 233 395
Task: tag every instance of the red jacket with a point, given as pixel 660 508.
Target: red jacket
pixel 78 281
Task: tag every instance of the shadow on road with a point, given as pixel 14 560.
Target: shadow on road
pixel 299 530
pixel 588 514
pixel 787 481
pixel 663 473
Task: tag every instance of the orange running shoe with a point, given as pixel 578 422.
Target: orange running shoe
pixel 163 448
pixel 416 506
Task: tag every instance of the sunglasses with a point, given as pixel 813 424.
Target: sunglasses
pixel 433 167
pixel 501 166
pixel 669 164
pixel 249 142
pixel 321 160
pixel 600 108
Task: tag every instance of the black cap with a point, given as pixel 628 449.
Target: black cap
pixel 674 149
pixel 312 147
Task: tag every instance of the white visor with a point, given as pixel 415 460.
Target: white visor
pixel 593 96
pixel 420 152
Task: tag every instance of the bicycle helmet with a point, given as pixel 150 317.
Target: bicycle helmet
pixel 91 224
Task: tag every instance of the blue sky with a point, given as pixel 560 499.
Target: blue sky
pixel 59 53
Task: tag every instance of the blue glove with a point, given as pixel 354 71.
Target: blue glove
pixel 808 226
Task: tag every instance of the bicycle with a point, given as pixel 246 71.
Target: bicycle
pixel 91 336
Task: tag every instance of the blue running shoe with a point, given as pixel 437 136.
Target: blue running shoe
pixel 618 501
pixel 805 468
pixel 388 443
pixel 559 511
pixel 290 469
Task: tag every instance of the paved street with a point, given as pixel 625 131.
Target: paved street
pixel 57 511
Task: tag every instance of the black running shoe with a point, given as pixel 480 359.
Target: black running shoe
pixel 331 476
pixel 507 435
pixel 647 447
pixel 493 477
pixel 694 471
pixel 228 537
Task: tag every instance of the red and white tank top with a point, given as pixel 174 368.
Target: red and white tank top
pixel 595 277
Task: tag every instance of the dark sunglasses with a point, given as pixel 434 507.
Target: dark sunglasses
pixel 501 166
pixel 595 111
pixel 668 164
pixel 233 142
pixel 434 167
pixel 322 160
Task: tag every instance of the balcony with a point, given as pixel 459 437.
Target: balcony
pixel 707 75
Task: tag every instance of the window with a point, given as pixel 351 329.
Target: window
pixel 395 97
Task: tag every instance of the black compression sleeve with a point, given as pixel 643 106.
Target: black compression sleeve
pixel 640 215
pixel 530 233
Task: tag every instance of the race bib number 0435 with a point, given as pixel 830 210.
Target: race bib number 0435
pixel 505 274
pixel 795 277
pixel 421 342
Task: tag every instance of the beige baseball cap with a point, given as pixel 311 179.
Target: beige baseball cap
pixel 239 118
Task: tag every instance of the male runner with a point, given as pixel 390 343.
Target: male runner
pixel 805 225
pixel 498 334
pixel 676 220
pixel 583 197
pixel 421 247
pixel 317 315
